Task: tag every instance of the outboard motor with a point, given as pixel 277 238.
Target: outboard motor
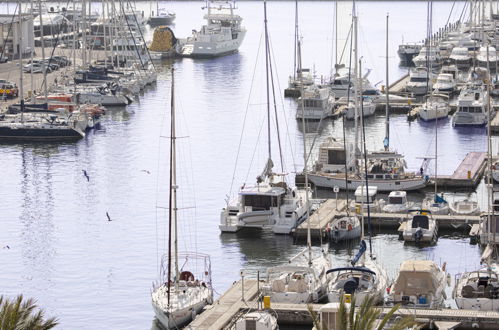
pixel 350 286
pixel 418 235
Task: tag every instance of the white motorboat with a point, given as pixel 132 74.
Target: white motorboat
pixel 300 282
pixel 464 207
pixel 420 228
pixel 478 290
pixel 420 81
pixel 436 106
pixel 487 58
pixel 316 103
pixel 367 108
pixel 435 204
pixel 471 106
pixel 420 284
pixel 386 171
pixel 223 33
pixel 445 83
pixel 184 286
pixel 427 55
pixel 397 202
pixel 495 172
pixel 344 228
pixel 257 320
pixel 362 202
pixel 460 57
pixel 408 51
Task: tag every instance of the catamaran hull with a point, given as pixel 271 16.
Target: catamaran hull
pixel 383 185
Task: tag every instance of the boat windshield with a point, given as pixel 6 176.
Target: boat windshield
pixel 263 202
pixel 395 200
pixel 420 221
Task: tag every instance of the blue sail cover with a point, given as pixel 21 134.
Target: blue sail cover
pixel 363 248
pixel 439 199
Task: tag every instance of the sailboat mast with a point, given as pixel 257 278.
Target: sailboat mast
pixel 387 123
pixel 20 41
pixel 305 170
pixel 296 41
pixel 172 207
pixel 43 50
pixel 267 54
pixel 490 201
pixel 366 190
pixel 356 91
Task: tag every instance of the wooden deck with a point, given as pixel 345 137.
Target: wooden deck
pixel 398 87
pixel 319 220
pixel 221 313
pixel 467 174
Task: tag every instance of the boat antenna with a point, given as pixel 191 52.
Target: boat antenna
pixel 305 171
pixel 386 142
pixel 172 204
pixel 267 54
pixel 366 190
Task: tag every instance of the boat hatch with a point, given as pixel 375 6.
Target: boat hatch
pixel 420 221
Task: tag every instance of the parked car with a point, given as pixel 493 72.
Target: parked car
pixel 61 60
pixel 8 89
pixel 37 68
pixel 51 64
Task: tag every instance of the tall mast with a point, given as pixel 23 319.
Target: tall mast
pixel 43 50
pixel 387 128
pixel 20 41
pixel 366 190
pixel 356 90
pixel 267 55
pixel 32 84
pixel 305 170
pixel 296 42
pixel 172 209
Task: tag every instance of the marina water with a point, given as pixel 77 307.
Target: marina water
pixel 92 273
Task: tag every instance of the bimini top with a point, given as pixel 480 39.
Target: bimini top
pixel 361 191
pixel 263 189
pixel 417 277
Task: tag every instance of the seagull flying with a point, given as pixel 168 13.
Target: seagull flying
pixel 86 175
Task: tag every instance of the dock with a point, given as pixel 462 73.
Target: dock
pixel 319 220
pixel 398 87
pixel 223 310
pixel 467 174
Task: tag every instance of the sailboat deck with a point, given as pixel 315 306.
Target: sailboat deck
pixel 221 313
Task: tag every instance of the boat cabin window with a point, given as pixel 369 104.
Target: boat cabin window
pixel 336 157
pixel 262 202
pixel 312 103
pixel 420 221
pixel 418 79
pixel 395 200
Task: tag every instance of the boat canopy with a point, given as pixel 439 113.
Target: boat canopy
pixel 420 221
pixel 417 277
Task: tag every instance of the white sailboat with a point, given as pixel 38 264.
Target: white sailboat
pixel 397 202
pixel 271 203
pixel 479 289
pixel 303 280
pixel 181 294
pixel 367 279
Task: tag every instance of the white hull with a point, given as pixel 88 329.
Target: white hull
pixel 469 119
pixel 398 208
pixel 186 304
pixel 432 113
pixel 325 181
pixel 312 114
pixel 193 48
pixel 368 110
pixel 105 100
pixel 338 235
pixel 428 235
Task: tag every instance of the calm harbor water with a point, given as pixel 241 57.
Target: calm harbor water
pixel 95 274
